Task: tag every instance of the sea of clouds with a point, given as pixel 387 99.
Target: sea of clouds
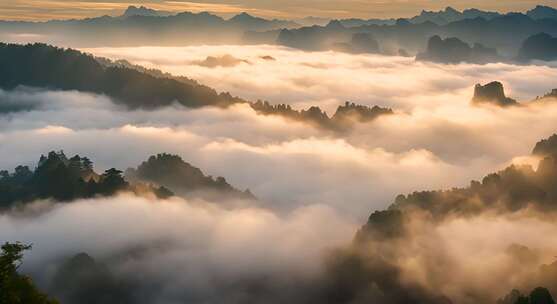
pixel 315 187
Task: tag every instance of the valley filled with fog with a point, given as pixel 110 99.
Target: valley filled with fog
pixel 177 157
pixel 436 139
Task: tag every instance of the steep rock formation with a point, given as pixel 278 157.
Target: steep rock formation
pixel 492 93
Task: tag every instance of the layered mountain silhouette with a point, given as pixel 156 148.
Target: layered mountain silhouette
pixel 145 26
pixel 506 33
pixel 450 14
pixel 541 46
pixel 360 43
pixel 144 11
pixel 454 50
pixel 542 12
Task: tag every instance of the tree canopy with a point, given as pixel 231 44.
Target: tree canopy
pixel 14 287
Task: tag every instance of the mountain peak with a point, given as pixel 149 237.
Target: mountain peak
pixel 493 93
pixel 243 16
pixel 449 9
pixel 139 11
pixel 335 24
pixel 542 12
pixel 133 10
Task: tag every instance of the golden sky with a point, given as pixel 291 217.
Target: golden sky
pixel 65 9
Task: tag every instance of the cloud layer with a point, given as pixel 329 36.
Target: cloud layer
pixel 315 186
pixel 435 140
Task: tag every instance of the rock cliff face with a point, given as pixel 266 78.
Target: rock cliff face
pixel 492 93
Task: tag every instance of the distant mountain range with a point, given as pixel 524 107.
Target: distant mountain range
pixel 145 26
pixel 505 33
pixel 145 11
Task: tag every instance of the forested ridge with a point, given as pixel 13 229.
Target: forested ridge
pixel 44 66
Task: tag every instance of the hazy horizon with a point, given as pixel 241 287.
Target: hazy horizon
pixel 40 10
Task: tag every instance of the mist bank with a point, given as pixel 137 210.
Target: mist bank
pixel 183 251
pixel 367 79
pixel 435 137
pixel 298 242
pixel 471 245
pixel 464 245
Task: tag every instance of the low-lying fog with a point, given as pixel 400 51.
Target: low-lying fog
pixel 436 139
pixel 315 187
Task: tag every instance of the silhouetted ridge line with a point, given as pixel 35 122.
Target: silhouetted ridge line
pixel 44 66
pixel 344 117
pixel 488 32
pixel 541 46
pixel 515 188
pixel 171 172
pixel 390 236
pixel 66 179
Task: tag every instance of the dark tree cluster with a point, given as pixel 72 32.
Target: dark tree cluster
pixel 173 173
pixel 512 189
pixel 44 66
pixel 66 179
pixel 343 118
pixel 539 295
pixel 351 111
pixel 57 177
pixel 14 287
